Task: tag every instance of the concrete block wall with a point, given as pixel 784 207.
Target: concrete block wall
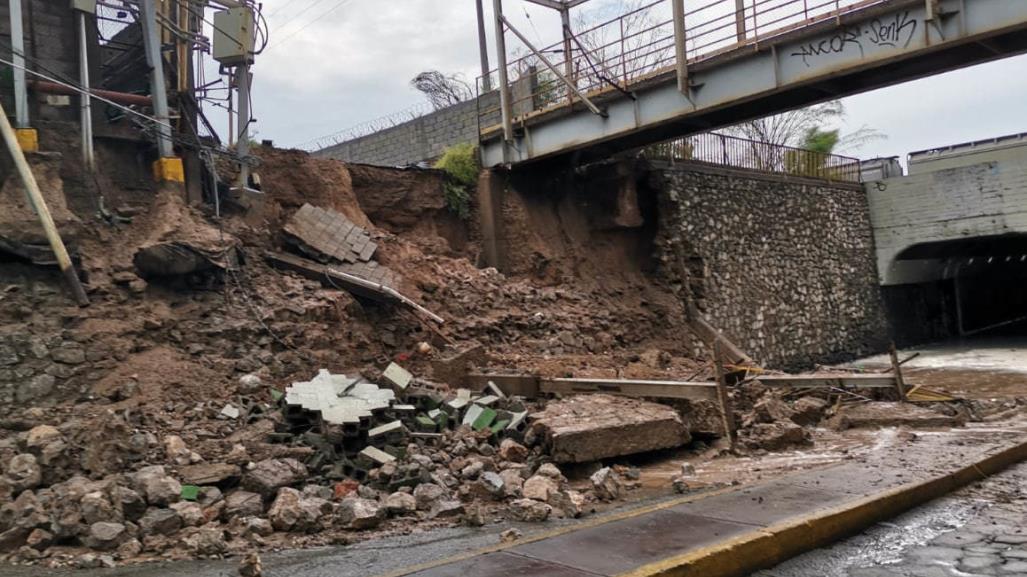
pixel 784 267
pixel 51 47
pixel 421 139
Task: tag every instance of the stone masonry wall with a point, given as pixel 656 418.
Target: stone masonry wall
pixel 784 267
pixel 421 139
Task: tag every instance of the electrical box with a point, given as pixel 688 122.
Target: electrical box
pixel 87 6
pixel 234 36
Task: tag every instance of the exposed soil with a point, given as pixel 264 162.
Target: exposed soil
pixel 141 376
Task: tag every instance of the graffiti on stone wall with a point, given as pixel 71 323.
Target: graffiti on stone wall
pixel 890 32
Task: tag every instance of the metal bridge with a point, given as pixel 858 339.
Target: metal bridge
pixel 667 70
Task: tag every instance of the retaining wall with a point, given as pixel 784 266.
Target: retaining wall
pixel 783 266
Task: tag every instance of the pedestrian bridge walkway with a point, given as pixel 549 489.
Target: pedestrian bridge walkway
pixel 678 67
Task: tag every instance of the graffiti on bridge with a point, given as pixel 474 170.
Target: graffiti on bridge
pixel 891 31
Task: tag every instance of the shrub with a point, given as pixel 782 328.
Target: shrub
pixel 460 163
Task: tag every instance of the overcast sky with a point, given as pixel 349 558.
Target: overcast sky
pixel 332 64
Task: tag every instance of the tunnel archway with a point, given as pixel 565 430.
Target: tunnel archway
pixel 978 285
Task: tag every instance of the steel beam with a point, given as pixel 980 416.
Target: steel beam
pixel 570 85
pixel 680 49
pixel 21 98
pixel 158 88
pixel 242 142
pixel 86 108
pixel 504 85
pixel 740 19
pixel 483 48
pixel 829 381
pixel 632 388
pixel 783 74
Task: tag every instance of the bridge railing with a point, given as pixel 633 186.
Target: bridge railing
pixel 619 53
pixel 731 151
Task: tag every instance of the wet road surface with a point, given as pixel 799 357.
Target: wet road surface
pixel 978 531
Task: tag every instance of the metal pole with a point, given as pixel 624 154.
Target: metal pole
pixel 524 39
pixel 568 64
pixel 21 95
pixel 483 49
pixel 242 142
pixel 740 19
pixel 504 87
pixel 86 119
pixel 680 52
pixel 35 198
pixel 152 45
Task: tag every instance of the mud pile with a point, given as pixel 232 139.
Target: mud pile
pixel 113 413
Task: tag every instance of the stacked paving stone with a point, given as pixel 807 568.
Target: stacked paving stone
pixel 356 425
pixel 326 235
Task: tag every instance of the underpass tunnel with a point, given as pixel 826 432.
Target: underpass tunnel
pixel 979 287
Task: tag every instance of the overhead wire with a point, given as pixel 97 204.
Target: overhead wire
pixel 298 14
pixel 339 4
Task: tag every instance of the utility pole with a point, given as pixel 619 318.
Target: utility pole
pixel 86 108
pixel 168 167
pixel 483 49
pixel 242 143
pixel 28 139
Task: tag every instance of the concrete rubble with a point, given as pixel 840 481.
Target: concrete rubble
pixel 176 420
pixel 589 428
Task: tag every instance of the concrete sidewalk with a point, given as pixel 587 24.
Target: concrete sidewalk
pixel 736 532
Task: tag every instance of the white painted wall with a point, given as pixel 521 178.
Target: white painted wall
pixel 980 199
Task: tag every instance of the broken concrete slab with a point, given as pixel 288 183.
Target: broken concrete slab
pixel 373 282
pixel 327 233
pixel 877 415
pixel 589 428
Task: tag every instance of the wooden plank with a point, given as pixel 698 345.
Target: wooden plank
pixel 826 381
pixel 727 415
pixel 632 388
pixel 900 386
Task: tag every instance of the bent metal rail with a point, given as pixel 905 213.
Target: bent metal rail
pixel 614 55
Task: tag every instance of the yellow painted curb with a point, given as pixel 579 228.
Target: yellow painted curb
pixel 767 547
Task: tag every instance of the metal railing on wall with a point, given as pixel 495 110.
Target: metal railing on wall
pixel 619 53
pixel 735 152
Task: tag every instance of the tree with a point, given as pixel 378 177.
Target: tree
pixel 794 127
pixel 804 128
pixel 441 90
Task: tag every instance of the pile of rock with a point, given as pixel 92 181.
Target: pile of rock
pixel 774 424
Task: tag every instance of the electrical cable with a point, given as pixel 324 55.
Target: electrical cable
pixel 338 5
pixel 298 14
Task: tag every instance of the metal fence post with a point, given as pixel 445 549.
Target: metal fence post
pixel 680 50
pixel 504 86
pixel 740 20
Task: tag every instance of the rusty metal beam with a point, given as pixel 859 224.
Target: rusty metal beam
pixel 691 391
pixel 533 386
pixel 829 381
